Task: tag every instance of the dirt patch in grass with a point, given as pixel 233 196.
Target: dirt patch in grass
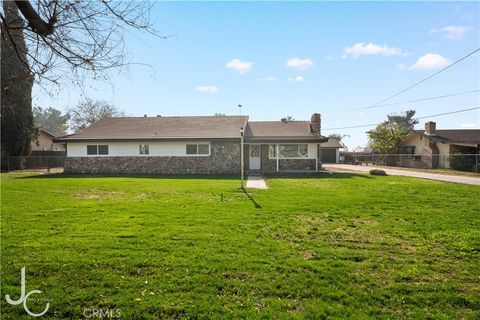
pixel 92 194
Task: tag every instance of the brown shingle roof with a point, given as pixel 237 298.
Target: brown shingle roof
pixel 280 130
pixel 467 136
pixel 331 143
pixel 140 128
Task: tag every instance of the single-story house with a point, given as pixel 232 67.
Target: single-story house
pixel 432 148
pixel 44 142
pixel 194 145
pixel 330 151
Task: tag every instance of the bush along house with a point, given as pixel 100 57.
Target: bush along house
pixel 194 145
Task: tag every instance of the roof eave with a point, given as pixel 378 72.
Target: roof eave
pixel 66 139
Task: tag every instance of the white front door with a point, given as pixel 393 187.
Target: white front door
pixel 254 157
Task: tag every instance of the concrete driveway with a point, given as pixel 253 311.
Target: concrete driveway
pixel 396 172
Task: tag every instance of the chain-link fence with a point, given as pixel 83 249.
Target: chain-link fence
pixel 460 161
pixel 34 163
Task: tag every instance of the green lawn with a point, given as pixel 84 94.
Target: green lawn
pixel 332 246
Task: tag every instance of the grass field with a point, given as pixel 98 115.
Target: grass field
pixel 337 246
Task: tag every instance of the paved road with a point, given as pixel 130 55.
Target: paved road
pixel 416 174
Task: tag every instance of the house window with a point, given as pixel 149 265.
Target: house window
pixel 97 149
pixel 410 150
pixel 92 149
pixel 289 151
pixel 272 151
pixel 143 149
pixel 103 149
pixel 202 149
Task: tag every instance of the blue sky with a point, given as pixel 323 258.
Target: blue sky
pixel 290 58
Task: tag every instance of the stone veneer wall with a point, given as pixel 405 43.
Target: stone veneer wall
pixel 269 165
pixel 224 159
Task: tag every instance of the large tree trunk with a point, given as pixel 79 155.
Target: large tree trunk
pixel 16 87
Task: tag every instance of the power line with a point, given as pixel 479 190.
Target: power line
pixel 424 117
pixel 416 100
pixel 427 78
pixel 380 103
pixel 403 102
pixel 446 113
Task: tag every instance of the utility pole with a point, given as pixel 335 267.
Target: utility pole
pixel 242 132
pixel 240 108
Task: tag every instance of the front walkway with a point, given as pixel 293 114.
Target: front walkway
pixel 256 182
pixel 395 172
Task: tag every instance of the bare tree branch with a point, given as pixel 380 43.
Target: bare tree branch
pixel 71 38
pixel 34 20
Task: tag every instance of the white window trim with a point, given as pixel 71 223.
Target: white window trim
pixel 280 157
pixel 97 154
pixel 144 154
pixel 198 155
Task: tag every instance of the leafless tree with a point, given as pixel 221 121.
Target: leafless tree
pixel 64 38
pixel 88 111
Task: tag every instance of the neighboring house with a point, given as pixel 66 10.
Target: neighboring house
pixel 330 151
pixel 194 145
pixel 432 148
pixel 44 142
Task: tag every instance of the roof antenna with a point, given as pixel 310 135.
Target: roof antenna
pixel 240 108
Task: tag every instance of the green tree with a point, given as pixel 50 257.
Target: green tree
pixel 388 136
pixel 51 119
pixel 87 112
pixel 338 136
pixel 405 120
pixel 16 86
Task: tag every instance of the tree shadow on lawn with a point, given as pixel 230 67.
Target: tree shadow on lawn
pixel 249 196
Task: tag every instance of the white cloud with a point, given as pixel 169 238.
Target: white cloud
pixel 328 57
pixel 430 61
pixel 370 49
pixel 400 66
pixel 207 89
pixel 453 32
pixel 296 79
pixel 239 65
pixel 299 63
pixel 268 79
pixel 467 125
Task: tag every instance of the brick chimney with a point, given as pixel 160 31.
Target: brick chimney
pixel 430 128
pixel 315 123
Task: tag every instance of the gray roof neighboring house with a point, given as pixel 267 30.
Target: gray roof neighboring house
pixel 50 133
pixel 454 136
pixel 195 128
pixel 332 143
